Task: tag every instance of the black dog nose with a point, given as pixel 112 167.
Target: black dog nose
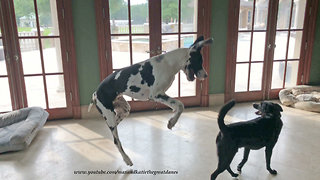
pixel 206 75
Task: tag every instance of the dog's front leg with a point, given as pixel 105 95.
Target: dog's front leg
pixel 175 105
pixel 268 152
pixel 244 160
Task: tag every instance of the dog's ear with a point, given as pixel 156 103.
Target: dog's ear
pixel 199 43
pixel 256 106
pixel 278 107
pixel 200 38
pixel 205 42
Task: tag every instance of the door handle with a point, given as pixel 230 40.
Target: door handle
pixel 160 51
pixel 150 52
pixel 16 57
pixel 270 46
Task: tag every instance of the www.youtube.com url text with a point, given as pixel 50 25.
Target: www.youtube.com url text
pixel 114 172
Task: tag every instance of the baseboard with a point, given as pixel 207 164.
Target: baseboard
pixel 216 99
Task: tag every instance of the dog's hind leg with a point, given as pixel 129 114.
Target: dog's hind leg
pixel 219 170
pixel 175 105
pixel 244 160
pixel 268 152
pixel 118 144
pixel 110 116
pixel 224 164
pixel 122 108
pixel 225 156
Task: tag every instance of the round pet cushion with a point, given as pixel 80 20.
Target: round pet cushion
pixel 301 97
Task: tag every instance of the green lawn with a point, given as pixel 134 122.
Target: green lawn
pixel 46 31
pixel 24 29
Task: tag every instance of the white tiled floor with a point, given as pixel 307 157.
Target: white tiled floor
pixel 65 146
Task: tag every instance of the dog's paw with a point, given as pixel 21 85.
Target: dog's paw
pixel 234 175
pixel 172 122
pixel 170 125
pixel 239 167
pixel 239 170
pixel 128 161
pixel 272 171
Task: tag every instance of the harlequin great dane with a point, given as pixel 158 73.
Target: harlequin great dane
pixel 147 80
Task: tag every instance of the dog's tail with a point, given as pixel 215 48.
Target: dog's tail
pixel 93 101
pixel 223 111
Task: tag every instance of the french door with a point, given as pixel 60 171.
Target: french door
pixel 131 31
pixel 34 57
pixel 269 47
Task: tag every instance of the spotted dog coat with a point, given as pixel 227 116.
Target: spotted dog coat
pixel 147 80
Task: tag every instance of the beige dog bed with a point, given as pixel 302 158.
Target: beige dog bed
pixel 301 97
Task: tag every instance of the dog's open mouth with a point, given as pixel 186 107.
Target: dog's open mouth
pixel 190 75
pixel 258 113
pixel 256 106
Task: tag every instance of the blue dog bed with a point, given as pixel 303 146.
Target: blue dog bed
pixel 18 128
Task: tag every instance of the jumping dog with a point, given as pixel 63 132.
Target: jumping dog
pixel 147 80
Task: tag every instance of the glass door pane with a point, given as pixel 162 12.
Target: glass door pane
pixel 5 103
pixel 120 52
pixel 118 17
pixel 139 16
pixel 169 16
pixel 252 28
pixel 170 42
pixel 288 43
pixel 3 64
pixel 5 95
pixel 189 15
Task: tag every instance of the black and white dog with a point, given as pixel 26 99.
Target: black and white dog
pixel 254 134
pixel 147 80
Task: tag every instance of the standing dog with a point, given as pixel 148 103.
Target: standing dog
pixel 254 134
pixel 147 80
